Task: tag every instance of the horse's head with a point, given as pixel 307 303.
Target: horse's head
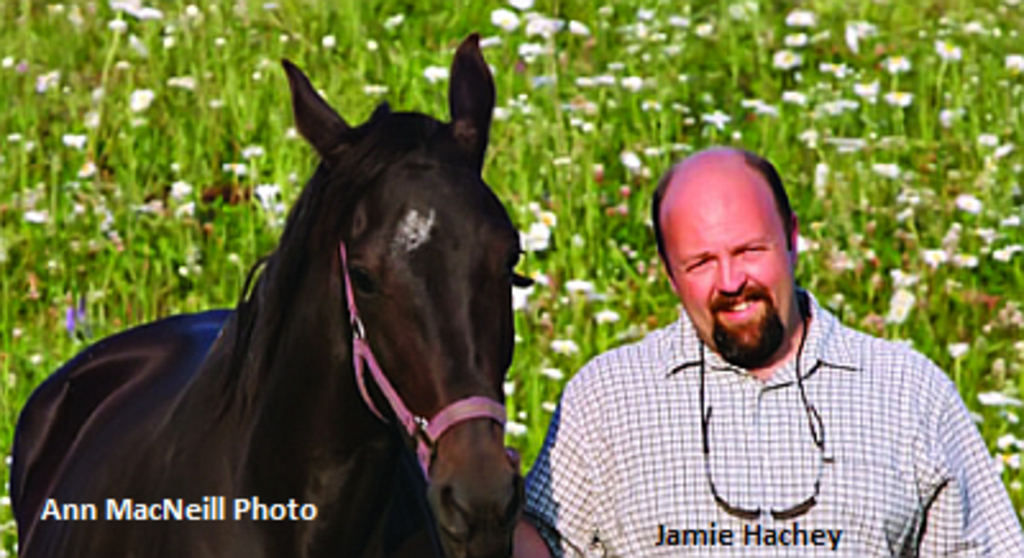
pixel 429 251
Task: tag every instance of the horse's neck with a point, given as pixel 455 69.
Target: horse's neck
pixel 312 439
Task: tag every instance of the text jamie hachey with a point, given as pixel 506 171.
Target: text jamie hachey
pixel 210 508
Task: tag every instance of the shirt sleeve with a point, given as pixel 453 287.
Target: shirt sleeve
pixel 561 485
pixel 969 513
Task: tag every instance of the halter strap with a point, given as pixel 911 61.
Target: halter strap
pixel 425 432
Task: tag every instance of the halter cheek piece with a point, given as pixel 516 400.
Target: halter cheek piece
pixel 425 432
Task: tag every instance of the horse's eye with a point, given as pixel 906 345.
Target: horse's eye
pixel 361 280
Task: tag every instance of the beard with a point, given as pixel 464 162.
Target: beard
pixel 752 344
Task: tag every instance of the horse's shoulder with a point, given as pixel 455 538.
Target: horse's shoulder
pixel 58 409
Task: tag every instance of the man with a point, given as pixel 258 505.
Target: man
pixel 757 424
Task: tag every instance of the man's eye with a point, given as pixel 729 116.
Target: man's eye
pixel 697 265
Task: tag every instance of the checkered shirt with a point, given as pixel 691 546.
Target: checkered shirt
pixel 904 471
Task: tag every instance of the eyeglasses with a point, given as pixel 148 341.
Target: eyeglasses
pixel 817 434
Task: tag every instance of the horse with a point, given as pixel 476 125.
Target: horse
pixel 272 429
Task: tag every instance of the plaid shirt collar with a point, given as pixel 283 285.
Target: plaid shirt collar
pixel 826 346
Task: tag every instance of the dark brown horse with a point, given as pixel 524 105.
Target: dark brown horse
pixel 260 406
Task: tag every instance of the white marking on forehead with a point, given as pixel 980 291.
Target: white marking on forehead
pixel 413 231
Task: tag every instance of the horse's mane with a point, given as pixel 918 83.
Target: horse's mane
pixel 316 219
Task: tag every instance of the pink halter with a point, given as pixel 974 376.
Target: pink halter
pixel 425 432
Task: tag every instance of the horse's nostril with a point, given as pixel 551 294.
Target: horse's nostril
pixel 453 518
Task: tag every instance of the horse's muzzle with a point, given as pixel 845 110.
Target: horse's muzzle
pixel 476 492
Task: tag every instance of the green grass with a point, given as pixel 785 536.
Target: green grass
pixel 133 266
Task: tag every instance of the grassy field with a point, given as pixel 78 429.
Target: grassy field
pixel 147 159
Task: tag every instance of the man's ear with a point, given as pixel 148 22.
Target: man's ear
pixel 794 237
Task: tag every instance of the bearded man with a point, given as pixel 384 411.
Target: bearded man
pixel 758 424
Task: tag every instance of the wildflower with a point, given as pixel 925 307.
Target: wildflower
pixel 947 116
pixel 897 65
pixel 74 320
pixel 857 30
pixel 47 81
pixel 118 26
pixel 552 373
pixel 718 119
pixel 521 5
pixel 888 170
pixel 1015 63
pixel 435 74
pixel 900 99
pixel 606 317
pixel 180 190
pixel 801 18
pixel 997 399
pixel 968 203
pixel 74 141
pixel 88 170
pixel 794 98
pixel 632 83
pixel 786 60
pixel 238 169
pixel 1011 221
pixel 537 238
pixel 948 51
pixel 1005 254
pixel 138 46
pixel 796 40
pixel 1002 151
pixel 988 140
pixel 141 99
pixel 957 350
pixel 520 297
pixel 394 21
pixel 329 42
pixel 838 71
pixel 867 91
pixel 901 280
pixel 966 261
pixel 579 286
pixel 631 161
pixel 137 10
pixel 530 51
pixel 547 217
pixel 540 26
pixel 515 429
pixel 507 20
pixel 934 258
pixel 253 152
pixel 577 28
pixel 565 346
pixel 267 194
pixel 704 30
pixel 182 82
pixel 36 217
pixel 900 305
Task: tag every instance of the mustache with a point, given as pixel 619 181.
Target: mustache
pixel 750 293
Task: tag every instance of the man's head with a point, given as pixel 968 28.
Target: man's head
pixel 727 236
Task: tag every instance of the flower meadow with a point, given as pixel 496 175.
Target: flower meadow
pixel 148 158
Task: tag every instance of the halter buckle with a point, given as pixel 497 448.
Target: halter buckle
pixel 358 330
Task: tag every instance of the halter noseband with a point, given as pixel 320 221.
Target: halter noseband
pixel 425 432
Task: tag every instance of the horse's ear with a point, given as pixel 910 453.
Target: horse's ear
pixel 314 118
pixel 471 99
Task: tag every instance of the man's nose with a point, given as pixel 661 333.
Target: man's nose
pixel 731 277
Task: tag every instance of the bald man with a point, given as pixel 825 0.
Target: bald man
pixel 757 424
